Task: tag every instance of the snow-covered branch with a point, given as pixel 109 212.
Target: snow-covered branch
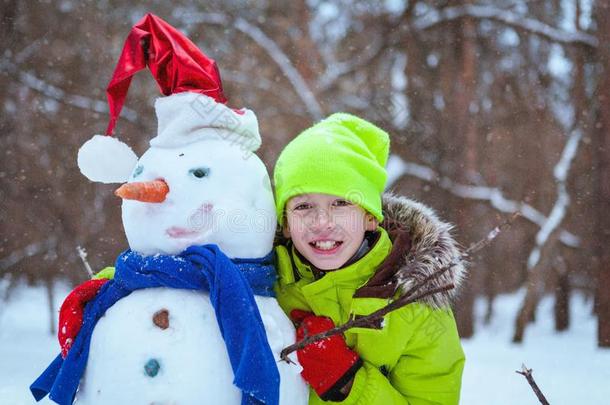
pixel 31 81
pixel 397 168
pixel 507 17
pixel 285 65
pixel 82 253
pixel 265 42
pixel 261 84
pixel 30 250
pixel 558 212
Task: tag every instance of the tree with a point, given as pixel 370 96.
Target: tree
pixel 602 230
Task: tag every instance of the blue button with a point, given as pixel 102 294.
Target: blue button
pixel 151 368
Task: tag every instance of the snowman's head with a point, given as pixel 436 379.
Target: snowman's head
pixel 209 187
pixel 217 194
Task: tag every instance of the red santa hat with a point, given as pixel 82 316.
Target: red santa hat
pixel 193 109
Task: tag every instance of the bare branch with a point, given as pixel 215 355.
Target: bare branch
pixel 82 253
pixel 364 320
pixel 558 212
pixel 30 250
pixel 397 168
pixel 31 81
pixel 269 45
pixel 506 17
pixel 527 373
pixel 493 234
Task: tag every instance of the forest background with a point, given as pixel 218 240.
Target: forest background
pixel 493 107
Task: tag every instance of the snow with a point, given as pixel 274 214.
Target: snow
pixel 400 110
pixel 558 212
pixel 26 347
pixel 509 37
pixel 586 8
pixel 567 366
pixel 507 17
pixel 559 65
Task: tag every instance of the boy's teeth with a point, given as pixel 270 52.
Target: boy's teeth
pixel 325 245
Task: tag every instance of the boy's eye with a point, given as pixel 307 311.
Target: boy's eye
pixel 341 203
pixel 301 207
pixel 200 172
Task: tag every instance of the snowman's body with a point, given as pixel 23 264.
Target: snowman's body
pixel 193 363
pixel 219 193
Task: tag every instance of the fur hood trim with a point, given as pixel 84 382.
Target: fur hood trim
pixel 422 244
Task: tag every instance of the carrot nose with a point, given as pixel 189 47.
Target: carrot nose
pixel 145 191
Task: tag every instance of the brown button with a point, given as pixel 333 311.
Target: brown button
pixel 161 318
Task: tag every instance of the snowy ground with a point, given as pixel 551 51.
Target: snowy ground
pixel 568 367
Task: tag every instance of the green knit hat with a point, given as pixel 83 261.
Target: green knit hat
pixel 342 155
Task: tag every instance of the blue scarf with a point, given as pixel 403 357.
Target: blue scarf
pixel 205 268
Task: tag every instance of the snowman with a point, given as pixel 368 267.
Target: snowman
pixel 188 315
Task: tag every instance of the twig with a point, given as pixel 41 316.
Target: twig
pixel 472 249
pixel 362 321
pixel 411 295
pixel 82 253
pixel 475 247
pixel 527 373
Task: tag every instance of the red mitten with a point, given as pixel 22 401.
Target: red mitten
pixel 71 312
pixel 327 364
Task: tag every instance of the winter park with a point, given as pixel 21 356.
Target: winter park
pixel 305 202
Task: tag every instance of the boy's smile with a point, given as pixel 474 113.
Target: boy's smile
pixel 325 246
pixel 327 230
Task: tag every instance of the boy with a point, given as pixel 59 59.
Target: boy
pixel 338 263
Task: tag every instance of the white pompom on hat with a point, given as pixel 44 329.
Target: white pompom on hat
pixel 105 159
pixel 194 108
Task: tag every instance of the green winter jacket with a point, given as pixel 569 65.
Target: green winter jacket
pixel 415 357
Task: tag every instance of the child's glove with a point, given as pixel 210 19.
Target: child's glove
pixel 71 312
pixel 327 364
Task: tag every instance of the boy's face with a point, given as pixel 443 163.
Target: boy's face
pixel 327 230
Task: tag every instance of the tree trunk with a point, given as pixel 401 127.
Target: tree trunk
pixel 489 309
pixel 562 296
pixel 466 129
pixel 535 287
pixel 528 308
pixel 51 304
pixel 602 230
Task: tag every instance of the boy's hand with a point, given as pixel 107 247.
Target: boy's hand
pixel 71 312
pixel 329 364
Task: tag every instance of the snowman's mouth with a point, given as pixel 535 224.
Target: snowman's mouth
pixel 178 233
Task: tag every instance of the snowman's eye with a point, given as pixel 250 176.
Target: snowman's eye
pixel 200 172
pixel 138 170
